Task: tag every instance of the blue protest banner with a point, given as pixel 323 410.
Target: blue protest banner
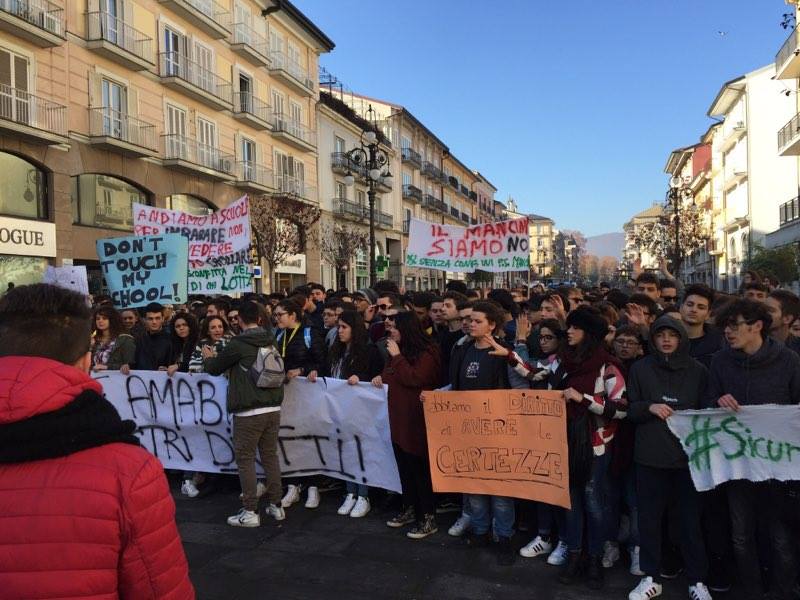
pixel 144 269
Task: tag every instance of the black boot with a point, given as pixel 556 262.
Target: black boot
pixel 595 574
pixel 505 552
pixel 572 570
pixel 478 540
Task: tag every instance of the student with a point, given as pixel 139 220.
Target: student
pixel 214 334
pixel 784 308
pixel 705 340
pixel 668 379
pixel 154 344
pixel 650 285
pixel 112 347
pixel 185 333
pixel 451 332
pixel 85 509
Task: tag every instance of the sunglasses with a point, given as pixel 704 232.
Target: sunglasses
pixel 390 317
pixel 669 298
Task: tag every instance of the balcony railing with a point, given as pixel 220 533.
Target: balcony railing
pixel 406 226
pixel 249 171
pixel 105 26
pixel 348 208
pixel 295 129
pixel 412 192
pixel 432 171
pixel 464 190
pixel 384 219
pixel 181 147
pixel 473 196
pixel 341 163
pixel 281 62
pixel 242 33
pixel 211 9
pixel 28 109
pixel 245 102
pixel 465 217
pixel 789 132
pixel 411 156
pixel 454 212
pixel 789 211
pixel 453 182
pixel 107 122
pixel 175 64
pixel 787 51
pixel 292 185
pixel 40 13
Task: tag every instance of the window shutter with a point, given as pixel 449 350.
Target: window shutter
pixel 95 89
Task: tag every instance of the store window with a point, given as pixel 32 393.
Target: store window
pixel 23 188
pixel 189 204
pixel 105 201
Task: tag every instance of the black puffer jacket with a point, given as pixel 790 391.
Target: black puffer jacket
pixel 303 348
pixel 677 380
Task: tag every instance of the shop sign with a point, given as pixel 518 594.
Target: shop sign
pixel 27 238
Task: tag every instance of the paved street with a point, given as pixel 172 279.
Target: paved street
pixel 316 554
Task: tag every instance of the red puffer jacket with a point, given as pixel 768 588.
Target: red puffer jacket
pixel 93 523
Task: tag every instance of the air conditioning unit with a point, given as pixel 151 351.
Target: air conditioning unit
pixel 225 164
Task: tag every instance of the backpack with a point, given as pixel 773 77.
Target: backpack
pixel 267 371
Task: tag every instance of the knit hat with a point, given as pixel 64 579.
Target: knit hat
pixel 590 320
pixel 369 294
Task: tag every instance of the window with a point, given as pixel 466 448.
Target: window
pixel 189 204
pixel 277 107
pixel 14 99
pixel 289 174
pixel 341 190
pixel 249 159
pixel 361 198
pixel 115 107
pixel 176 133
pixel 204 57
pixel 206 143
pixel 405 142
pixel 245 93
pixel 338 145
pixel 174 53
pixel 407 179
pixel 104 201
pixel 23 188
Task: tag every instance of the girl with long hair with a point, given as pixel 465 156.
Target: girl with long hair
pixel 214 332
pixel 185 334
pixel 111 346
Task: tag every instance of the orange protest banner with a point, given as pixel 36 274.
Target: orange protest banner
pixel 499 442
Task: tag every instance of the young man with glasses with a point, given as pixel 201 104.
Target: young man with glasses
pixel 330 319
pixel 756 369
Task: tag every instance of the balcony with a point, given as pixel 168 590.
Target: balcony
pixel 464 191
pixel 734 174
pixel 249 44
pixel 341 163
pixel 453 182
pixel 787 61
pixel 31 117
pixel 384 220
pixel 207 15
pixel 411 156
pixel 294 133
pixel 732 133
pixel 38 21
pixel 342 207
pixel 434 203
pixel 116 131
pixel 252 176
pixel 473 196
pixel 252 111
pixel 465 217
pixel 412 193
pixel 383 186
pixel 789 211
pixel 291 73
pixel 117 41
pixel 789 138
pixel 187 154
pixel 286 184
pixel 183 74
pixel 454 212
pixel 431 171
pixel 406 226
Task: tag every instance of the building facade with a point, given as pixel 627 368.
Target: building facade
pixel 633 251
pixel 183 104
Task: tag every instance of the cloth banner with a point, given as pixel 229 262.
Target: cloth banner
pixel 499 442
pixel 494 247
pixel 756 443
pixel 141 270
pixel 69 277
pixel 327 428
pixel 219 244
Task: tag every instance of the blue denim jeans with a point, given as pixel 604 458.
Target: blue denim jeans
pixel 483 508
pixel 589 504
pixel 357 489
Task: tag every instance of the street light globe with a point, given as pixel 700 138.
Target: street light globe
pixel 375 174
pixel 675 182
pixel 349 180
pixel 388 179
pixel 370 137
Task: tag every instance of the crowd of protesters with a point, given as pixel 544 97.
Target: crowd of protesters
pixel 625 359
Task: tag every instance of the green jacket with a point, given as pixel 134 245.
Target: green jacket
pixel 123 353
pixel 237 358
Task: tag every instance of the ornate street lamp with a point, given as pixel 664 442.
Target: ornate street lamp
pixel 373 161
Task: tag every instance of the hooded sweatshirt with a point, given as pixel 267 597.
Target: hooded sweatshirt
pixel 677 380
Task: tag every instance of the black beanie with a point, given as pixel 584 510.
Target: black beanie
pixel 590 320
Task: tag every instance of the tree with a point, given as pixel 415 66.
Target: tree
pixel 607 268
pixel 781 262
pixel 479 276
pixel 589 267
pixel 658 236
pixel 339 245
pixel 279 223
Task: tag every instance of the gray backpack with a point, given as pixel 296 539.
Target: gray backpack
pixel 268 371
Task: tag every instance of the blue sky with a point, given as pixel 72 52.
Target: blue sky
pixel 570 107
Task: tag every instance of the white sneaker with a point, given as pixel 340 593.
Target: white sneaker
pixel 558 556
pixel 635 568
pixel 189 489
pixel 361 508
pixel 699 591
pixel 347 505
pixel 276 512
pixel 646 589
pixel 313 497
pixel 261 489
pixel 292 496
pixel 245 518
pixel 460 527
pixel 610 554
pixel 536 547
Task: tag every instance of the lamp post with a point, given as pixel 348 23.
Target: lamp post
pixel 370 159
pixel 678 193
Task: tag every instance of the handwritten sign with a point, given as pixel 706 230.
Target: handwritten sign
pixel 328 427
pixel 219 244
pixel 141 270
pixel 69 277
pixel 756 443
pixel 499 442
pixel 494 247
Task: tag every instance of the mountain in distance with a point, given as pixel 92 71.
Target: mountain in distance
pixel 606 244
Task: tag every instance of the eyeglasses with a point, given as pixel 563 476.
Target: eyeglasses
pixel 669 298
pixel 627 344
pixel 279 314
pixel 547 338
pixel 734 325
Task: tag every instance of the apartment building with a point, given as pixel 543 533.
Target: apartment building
pixel 184 104
pixel 633 250
pixel 541 233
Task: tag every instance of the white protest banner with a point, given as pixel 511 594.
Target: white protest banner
pixel 756 443
pixel 219 244
pixel 493 247
pixel 69 277
pixel 327 428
